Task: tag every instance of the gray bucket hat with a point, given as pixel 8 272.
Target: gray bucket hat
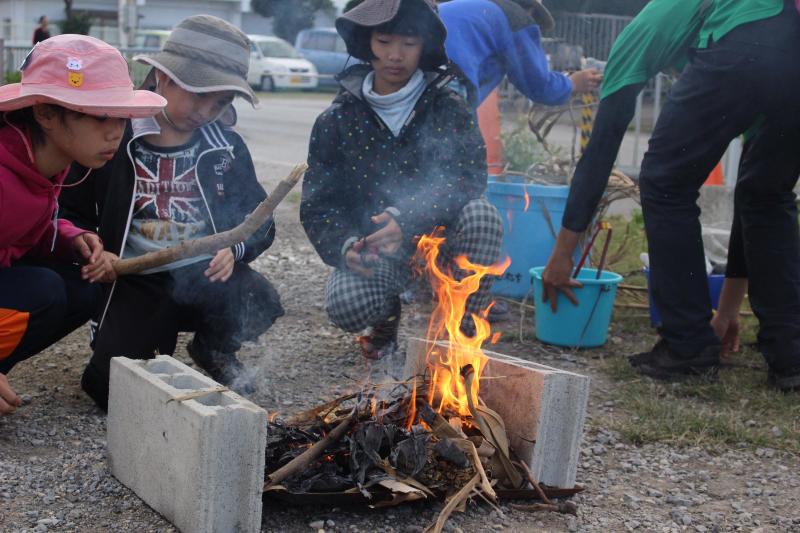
pixel 355 27
pixel 205 54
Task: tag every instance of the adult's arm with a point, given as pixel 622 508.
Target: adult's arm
pixel 528 70
pixel 588 184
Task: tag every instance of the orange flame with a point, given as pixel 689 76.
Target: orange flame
pixel 445 323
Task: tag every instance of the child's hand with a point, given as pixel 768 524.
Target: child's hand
pixel 9 401
pixel 101 270
pixel 88 246
pixel 360 258
pixel 221 267
pixel 389 238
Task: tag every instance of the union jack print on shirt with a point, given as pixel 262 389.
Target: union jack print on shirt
pixel 166 185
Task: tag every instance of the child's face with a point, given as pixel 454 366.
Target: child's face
pixel 87 140
pixel 396 59
pixel 189 111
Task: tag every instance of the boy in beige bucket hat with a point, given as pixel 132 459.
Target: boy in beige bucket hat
pixel 70 105
pixel 182 175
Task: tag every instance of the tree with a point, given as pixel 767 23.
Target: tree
pixel 613 7
pixel 74 22
pixel 289 17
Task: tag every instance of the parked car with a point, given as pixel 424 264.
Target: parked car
pixel 324 48
pixel 275 64
pixel 154 39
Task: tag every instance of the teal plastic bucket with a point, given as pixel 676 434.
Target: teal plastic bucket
pixel 577 326
pixel 529 235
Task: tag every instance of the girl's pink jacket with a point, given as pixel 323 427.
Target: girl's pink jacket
pixel 28 203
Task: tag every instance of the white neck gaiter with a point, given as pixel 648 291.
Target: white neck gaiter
pixel 394 109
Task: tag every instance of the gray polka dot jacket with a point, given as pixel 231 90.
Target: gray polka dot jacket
pixel 358 168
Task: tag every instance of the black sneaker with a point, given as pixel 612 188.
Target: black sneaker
pixel 224 368
pixel 663 363
pixel 380 340
pixel 785 381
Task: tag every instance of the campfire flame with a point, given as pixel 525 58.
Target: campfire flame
pixel 445 324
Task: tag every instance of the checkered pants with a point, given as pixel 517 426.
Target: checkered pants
pixel 354 303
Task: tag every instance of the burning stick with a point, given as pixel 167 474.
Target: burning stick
pixel 219 241
pixel 300 462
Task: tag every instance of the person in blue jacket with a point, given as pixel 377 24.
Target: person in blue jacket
pixel 491 39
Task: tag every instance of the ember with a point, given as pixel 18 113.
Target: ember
pixel 428 438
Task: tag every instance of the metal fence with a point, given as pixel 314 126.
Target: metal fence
pixel 12 57
pixel 595 33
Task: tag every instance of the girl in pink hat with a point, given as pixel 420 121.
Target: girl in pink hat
pixel 70 106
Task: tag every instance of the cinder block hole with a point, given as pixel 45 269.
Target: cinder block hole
pixel 185 381
pixel 215 400
pixel 160 367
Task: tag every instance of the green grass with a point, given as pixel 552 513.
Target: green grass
pixel 738 409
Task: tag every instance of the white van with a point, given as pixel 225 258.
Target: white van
pixel 275 64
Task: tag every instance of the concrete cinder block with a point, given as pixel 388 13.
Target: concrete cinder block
pixel 544 410
pixel 200 462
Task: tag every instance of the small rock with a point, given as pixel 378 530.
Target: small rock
pixel 26 399
pixel 777 432
pixel 751 423
pixel 317 524
pixel 329 523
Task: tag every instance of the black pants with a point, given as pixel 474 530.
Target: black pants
pixel 594 167
pixel 752 71
pixel 40 304
pixel 765 242
pixel 147 312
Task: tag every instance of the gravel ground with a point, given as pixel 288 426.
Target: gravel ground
pixel 54 477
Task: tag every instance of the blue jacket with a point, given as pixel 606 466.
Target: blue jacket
pixel 491 39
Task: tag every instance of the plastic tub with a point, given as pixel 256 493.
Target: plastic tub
pixel 714 289
pixel 530 227
pixel 577 326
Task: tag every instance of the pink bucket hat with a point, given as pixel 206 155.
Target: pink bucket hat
pixel 80 73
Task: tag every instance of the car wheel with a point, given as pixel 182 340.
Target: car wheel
pixel 267 84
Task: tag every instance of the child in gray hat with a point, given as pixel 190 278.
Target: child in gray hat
pixel 181 175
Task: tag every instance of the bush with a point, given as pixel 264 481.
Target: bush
pixel 521 148
pixel 13 77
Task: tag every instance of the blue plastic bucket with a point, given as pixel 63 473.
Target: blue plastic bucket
pixel 714 289
pixel 577 326
pixel 529 235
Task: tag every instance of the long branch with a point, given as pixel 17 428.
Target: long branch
pixel 219 241
pixel 307 457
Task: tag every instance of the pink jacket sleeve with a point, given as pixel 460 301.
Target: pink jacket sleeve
pixel 63 245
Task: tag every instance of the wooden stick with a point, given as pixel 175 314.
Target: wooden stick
pixel 304 459
pixel 486 486
pixel 219 241
pixel 563 508
pixel 533 482
pixel 198 394
pixel 456 500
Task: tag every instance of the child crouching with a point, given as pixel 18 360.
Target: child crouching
pixel 396 155
pixel 182 176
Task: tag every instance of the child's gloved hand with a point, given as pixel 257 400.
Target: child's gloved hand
pixel 9 401
pixel 389 238
pixel 221 267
